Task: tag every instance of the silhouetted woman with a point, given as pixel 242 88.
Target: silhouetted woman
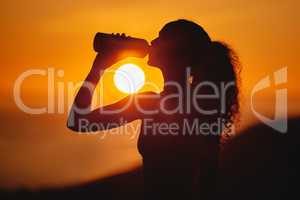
pixel 181 126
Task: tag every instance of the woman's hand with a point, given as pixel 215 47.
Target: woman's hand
pixel 104 60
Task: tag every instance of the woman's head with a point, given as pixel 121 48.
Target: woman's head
pixel 179 43
pixel 184 44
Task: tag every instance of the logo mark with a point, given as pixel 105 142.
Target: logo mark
pixel 279 122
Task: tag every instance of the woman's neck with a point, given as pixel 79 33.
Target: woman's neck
pixel 178 76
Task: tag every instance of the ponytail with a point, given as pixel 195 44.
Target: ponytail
pixel 219 64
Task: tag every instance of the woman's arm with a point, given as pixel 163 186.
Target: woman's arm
pixel 84 96
pixel 81 113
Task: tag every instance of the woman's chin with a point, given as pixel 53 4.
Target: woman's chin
pixel 152 62
pixel 149 62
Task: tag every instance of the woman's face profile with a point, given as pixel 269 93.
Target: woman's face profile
pixel 179 45
pixel 154 52
pixel 161 49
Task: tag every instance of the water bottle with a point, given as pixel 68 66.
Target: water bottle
pixel 127 45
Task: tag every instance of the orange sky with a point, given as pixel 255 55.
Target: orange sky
pixel 39 151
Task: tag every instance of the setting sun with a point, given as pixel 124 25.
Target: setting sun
pixel 129 78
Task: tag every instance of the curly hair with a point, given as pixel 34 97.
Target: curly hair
pixel 209 60
pixel 220 65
